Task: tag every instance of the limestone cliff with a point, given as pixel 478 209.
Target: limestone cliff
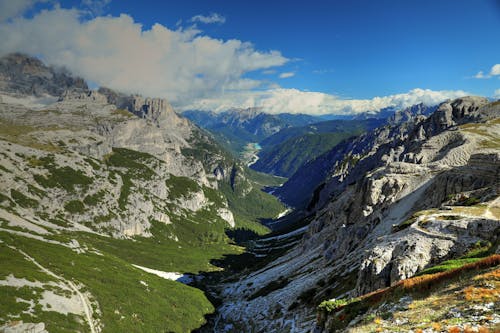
pixel 379 217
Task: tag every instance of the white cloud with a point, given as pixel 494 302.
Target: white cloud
pixel 496 94
pixel 209 19
pixel 495 70
pixel 480 75
pixel 296 101
pixel 286 75
pixel 117 52
pixel 322 71
pixel 13 8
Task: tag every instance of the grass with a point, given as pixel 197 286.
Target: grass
pixel 63 177
pixel 21 134
pixel 74 207
pixel 94 199
pixel 22 200
pixel 181 186
pixel 126 304
pixel 122 112
pixel 340 313
pixel 472 256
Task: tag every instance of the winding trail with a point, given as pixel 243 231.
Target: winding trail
pixel 85 303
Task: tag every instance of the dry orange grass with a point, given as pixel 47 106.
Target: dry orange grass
pixel 483 329
pixel 468 329
pixel 436 327
pixel 493 275
pixel 425 282
pixel 480 294
pixel 454 329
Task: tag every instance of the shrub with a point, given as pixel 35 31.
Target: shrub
pixel 23 200
pixel 74 207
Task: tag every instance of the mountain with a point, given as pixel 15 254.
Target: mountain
pixel 107 201
pixel 335 158
pixel 285 152
pixel 402 232
pixel 236 128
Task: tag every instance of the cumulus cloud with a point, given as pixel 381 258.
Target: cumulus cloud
pixel 480 75
pixel 13 8
pixel 209 19
pixel 180 65
pixel 495 70
pixel 286 75
pixel 496 94
pixel 296 101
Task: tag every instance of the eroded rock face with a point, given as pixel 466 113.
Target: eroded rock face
pixel 352 245
pixel 82 127
pixel 20 327
pixel 21 74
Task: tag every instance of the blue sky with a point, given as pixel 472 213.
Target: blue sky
pixel 359 50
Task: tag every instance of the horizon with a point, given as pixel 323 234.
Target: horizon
pixel 341 59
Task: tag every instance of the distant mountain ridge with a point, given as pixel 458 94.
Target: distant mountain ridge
pixel 285 152
pixel 237 127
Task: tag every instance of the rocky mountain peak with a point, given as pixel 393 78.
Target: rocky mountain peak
pixel 77 94
pixel 24 75
pixel 151 108
pixel 458 111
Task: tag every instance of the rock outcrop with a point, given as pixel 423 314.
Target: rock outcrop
pixel 363 233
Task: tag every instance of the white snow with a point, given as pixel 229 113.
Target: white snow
pixel 183 278
pixel 283 213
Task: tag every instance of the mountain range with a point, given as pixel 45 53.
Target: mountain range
pixel 119 215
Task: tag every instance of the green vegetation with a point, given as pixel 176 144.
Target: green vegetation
pixel 94 199
pixel 123 113
pixel 181 186
pixel 63 177
pixel 405 224
pixel 162 306
pixel 285 158
pixel 479 252
pixel 133 165
pixel 74 207
pixel 337 314
pixel 334 304
pixel 23 200
pixel 36 191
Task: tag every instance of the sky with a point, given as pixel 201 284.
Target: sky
pixel 313 56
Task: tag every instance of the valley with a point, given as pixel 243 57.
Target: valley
pixel 118 214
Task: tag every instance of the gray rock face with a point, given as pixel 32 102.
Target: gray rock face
pixel 352 245
pixel 20 74
pixel 20 327
pixel 81 127
pixel 84 96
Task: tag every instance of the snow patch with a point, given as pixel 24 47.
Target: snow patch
pixel 183 278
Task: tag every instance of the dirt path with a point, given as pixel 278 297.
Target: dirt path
pixel 85 303
pixel 487 213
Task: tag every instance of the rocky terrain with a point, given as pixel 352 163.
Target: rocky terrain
pixel 111 203
pixel 393 203
pixel 115 184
